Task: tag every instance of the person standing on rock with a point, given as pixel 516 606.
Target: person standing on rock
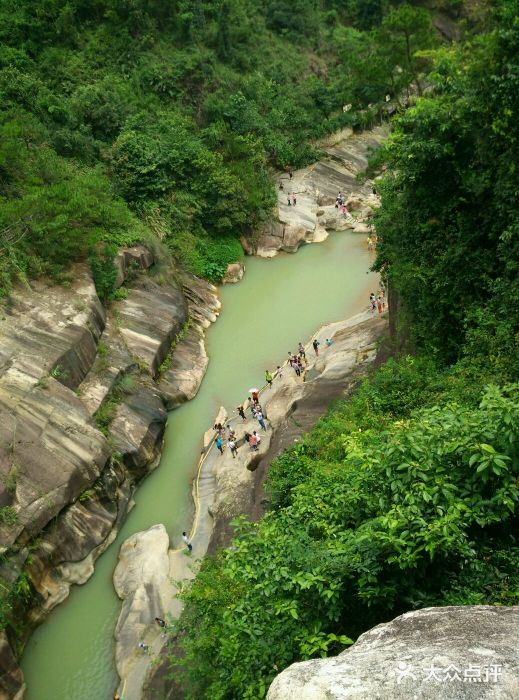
pixel 379 304
pixel 329 342
pixel 219 444
pixel 279 372
pixel 231 444
pixel 241 413
pixel 288 200
pixel 373 302
pixel 186 541
pixel 268 377
pixel 315 345
pixel 301 350
pixel 295 366
pixel 294 200
pixel 253 442
pixel 261 420
pixel 255 397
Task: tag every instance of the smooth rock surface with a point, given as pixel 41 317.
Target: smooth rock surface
pixel 141 581
pixel 450 653
pixel 234 273
pixel 149 319
pixel 316 188
pixel 181 381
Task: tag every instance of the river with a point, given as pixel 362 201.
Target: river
pixel 278 303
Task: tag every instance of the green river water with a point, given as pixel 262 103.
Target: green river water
pixel 278 303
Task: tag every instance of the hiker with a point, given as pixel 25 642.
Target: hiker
pixel 231 444
pixel 344 210
pixel 300 366
pixel 373 302
pixel 143 646
pixel 315 345
pixel 232 434
pixel 247 437
pixel 295 367
pixel 301 349
pixel 279 372
pixel 255 396
pixel 219 444
pixel 379 304
pixel 268 377
pixel 255 435
pixel 290 174
pixel 253 442
pixel 288 200
pixel 294 200
pixel 187 542
pixel 241 413
pixel 329 342
pixel 280 185
pixel 261 420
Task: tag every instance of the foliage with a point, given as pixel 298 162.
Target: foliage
pixel 448 223
pixel 123 120
pixel 377 520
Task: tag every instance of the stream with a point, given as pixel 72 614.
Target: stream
pixel 279 302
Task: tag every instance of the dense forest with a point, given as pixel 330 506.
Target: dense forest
pixel 405 495
pixel 144 120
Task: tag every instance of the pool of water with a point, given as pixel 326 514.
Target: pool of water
pixel 279 302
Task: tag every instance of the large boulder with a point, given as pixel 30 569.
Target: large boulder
pixel 141 580
pixel 451 653
pixel 234 273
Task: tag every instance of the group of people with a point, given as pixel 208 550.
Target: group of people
pixel 378 303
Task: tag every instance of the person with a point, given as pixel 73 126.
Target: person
pixel 160 622
pixel 261 420
pixel 255 397
pixel 300 366
pixel 344 210
pixel 379 304
pixel 143 646
pixel 253 442
pixel 295 366
pixel 255 435
pixel 231 444
pixel 186 541
pixel 219 444
pixel 288 200
pixel 294 200
pixel 247 437
pixel 232 434
pixel 301 349
pixel 241 413
pixel 315 345
pixel 329 342
pixel 280 185
pixel 279 372
pixel 290 173
pixel 373 302
pixel 268 377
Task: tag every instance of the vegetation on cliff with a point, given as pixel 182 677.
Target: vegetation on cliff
pixel 125 119
pixel 406 495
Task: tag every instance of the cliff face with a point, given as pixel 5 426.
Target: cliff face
pixel 83 399
pixel 452 653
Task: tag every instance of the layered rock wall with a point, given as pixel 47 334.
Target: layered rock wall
pixel 84 393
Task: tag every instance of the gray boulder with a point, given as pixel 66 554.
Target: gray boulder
pixel 451 653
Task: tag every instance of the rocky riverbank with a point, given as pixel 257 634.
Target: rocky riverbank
pixel 84 393
pixel 226 487
pixel 316 188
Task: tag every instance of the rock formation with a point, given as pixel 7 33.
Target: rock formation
pixel 84 393
pixel 226 487
pixel 316 188
pixel 452 653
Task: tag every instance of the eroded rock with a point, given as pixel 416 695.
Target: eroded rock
pixel 451 653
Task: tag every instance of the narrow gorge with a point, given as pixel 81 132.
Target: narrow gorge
pixel 101 390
